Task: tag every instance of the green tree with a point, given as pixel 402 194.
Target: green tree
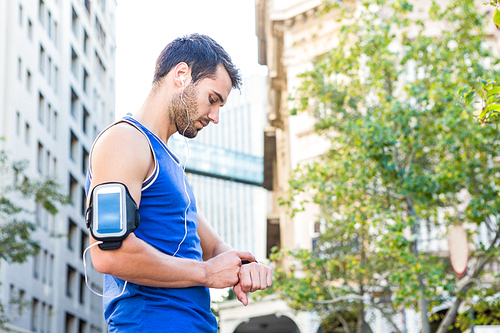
pixel 405 160
pixel 18 194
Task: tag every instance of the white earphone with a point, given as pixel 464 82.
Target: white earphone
pixel 182 78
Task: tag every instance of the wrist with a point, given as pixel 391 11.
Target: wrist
pixel 204 275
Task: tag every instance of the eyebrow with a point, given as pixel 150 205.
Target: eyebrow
pixel 220 97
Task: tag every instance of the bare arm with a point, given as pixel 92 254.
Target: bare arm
pixel 122 154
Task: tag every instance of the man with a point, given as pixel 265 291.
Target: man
pixel 174 255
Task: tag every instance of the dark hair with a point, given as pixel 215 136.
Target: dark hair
pixel 201 53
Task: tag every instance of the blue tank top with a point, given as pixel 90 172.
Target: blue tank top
pixel 162 208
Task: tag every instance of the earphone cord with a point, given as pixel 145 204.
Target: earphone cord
pixel 85 271
pixel 184 168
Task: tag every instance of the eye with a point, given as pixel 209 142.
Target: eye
pixel 212 100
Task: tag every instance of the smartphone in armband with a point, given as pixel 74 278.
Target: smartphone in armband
pixel 112 214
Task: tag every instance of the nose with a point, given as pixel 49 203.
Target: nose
pixel 214 115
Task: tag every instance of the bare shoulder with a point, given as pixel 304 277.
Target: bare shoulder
pixel 122 154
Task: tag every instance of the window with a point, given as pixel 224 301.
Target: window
pixel 54 35
pixel 73 148
pixel 49 71
pixel 30 30
pixel 27 134
pixel 21 15
pixel 41 12
pixel 74 22
pixel 49 319
pixel 82 326
pixel 99 68
pixel 41 105
pixel 51 272
pixel 12 296
pixel 85 161
pixel 38 207
pixel 34 314
pixel 42 317
pixel 40 158
pixel 54 165
pixel 101 35
pixel 54 125
pixel 47 170
pixel 56 78
pixel 85 120
pixel 81 294
pixel 49 24
pixel 86 42
pixel 73 186
pixel 28 80
pixel 36 266
pixel 49 115
pixel 22 295
pixel 41 60
pixel 44 266
pixel 70 281
pixel 74 103
pixel 85 80
pixel 19 68
pixel 83 202
pixel 87 6
pixel 84 242
pixel 74 62
pixel 70 323
pixel 72 230
pixel 18 123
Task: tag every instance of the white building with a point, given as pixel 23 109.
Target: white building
pixel 56 94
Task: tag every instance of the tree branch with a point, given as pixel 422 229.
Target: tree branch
pixel 338 299
pixel 342 321
pixel 465 284
pixel 386 316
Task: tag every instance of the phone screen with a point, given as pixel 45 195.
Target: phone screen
pixel 108 214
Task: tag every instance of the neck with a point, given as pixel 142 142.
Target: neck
pixel 154 114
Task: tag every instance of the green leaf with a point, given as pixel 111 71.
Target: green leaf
pixel 462 91
pixel 494 90
pixel 492 107
pixel 496 18
pixel 469 97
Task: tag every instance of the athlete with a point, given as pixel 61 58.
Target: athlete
pixel 167 264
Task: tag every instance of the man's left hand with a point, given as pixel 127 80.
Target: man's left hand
pixel 253 277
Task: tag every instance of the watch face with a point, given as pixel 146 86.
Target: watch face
pixel 109 211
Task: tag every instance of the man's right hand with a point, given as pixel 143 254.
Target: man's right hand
pixel 223 270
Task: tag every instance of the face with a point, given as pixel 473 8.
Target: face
pixel 198 104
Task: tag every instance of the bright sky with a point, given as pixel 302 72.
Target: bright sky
pixel 143 28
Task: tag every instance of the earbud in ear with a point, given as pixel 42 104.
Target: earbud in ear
pixel 182 78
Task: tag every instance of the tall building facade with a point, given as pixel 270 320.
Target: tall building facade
pixel 225 168
pixel 56 94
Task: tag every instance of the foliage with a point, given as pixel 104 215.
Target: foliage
pixel 496 13
pixel 405 161
pixel 486 101
pixel 17 200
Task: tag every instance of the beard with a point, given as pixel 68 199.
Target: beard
pixel 184 113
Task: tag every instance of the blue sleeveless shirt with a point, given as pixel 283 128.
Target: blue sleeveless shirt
pixel 165 196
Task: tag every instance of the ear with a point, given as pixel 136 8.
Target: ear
pixel 182 74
